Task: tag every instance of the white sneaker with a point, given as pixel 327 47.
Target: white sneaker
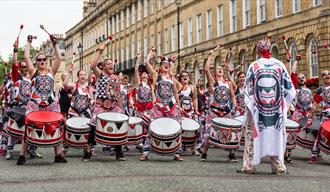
pixel 9 155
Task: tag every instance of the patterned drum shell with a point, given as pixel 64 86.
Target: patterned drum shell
pixel 325 137
pixel 77 132
pixel 225 133
pixel 44 128
pixel 241 119
pixel 135 131
pixel 13 128
pixel 165 136
pixel 190 129
pixel 111 128
pixel 292 129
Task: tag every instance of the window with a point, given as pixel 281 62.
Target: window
pixel 152 7
pixel 197 74
pixel 146 8
pixel 117 56
pixel 208 24
pixel 122 53
pixel 166 40
pixel 246 13
pixel 314 62
pixel 316 2
pixel 117 23
pixel 122 20
pixel 233 16
pixel 198 28
pixel 133 13
pixel 112 25
pixel 181 28
pixel 295 6
pixel 127 52
pixel 190 32
pixel 278 8
pixel 159 5
pixel 220 20
pixel 173 39
pixel 261 11
pixel 139 10
pixel 159 42
pixel 145 45
pixel 127 17
pixel 132 50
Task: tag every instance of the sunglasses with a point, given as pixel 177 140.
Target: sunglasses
pixel 301 78
pixel 23 67
pixel 42 59
pixel 325 73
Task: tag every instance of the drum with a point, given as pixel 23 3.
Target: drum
pixel 44 128
pixel 135 131
pixel 77 132
pixel 16 122
pixel 241 119
pixel 190 129
pixel 111 128
pixel 225 133
pixel 325 137
pixel 165 136
pixel 147 117
pixel 292 129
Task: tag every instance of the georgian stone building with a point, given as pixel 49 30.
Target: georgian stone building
pixel 235 24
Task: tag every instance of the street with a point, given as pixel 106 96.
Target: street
pixel 160 173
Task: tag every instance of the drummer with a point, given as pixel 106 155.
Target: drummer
pixel 322 99
pixel 43 95
pixel 188 100
pixel 21 95
pixel 220 102
pixel 82 98
pixel 239 93
pixel 108 97
pixel 166 92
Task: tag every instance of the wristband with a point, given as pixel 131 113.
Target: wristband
pixel 15 50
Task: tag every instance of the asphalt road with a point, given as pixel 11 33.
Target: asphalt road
pixel 160 173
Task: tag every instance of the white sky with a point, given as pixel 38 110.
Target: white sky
pixel 57 16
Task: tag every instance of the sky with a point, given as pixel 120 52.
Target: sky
pixel 57 16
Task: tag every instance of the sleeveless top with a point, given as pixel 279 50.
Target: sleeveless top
pixel 221 100
pixel 164 92
pixel 186 102
pixel 240 97
pixel 124 97
pixel 43 89
pixel 10 93
pixel 107 87
pixel 80 98
pixel 22 90
pixel 143 97
pixel 304 99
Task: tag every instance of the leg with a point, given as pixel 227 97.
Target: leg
pixel 21 159
pixel 10 147
pixel 119 153
pixel 248 166
pixel 278 167
pixel 58 155
pixel 315 149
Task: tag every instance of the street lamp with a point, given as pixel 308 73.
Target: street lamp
pixel 178 4
pixel 80 50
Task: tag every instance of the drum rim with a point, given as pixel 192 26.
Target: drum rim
pixel 86 127
pixel 140 120
pixel 110 120
pixel 292 126
pixel 199 126
pixel 174 120
pixel 221 124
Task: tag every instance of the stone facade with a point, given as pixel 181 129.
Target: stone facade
pixel 133 28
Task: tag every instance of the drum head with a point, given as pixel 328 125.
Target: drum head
pixel 189 124
pixel 291 124
pixel 134 120
pixel 165 126
pixel 326 125
pixel 44 116
pixel 240 118
pixel 114 117
pixel 226 122
pixel 78 122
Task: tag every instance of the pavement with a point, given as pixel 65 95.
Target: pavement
pixel 160 173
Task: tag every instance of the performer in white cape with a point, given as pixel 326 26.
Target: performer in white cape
pixel 268 94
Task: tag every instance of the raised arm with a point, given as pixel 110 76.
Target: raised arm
pixel 150 69
pixel 96 70
pixel 136 70
pixel 66 83
pixel 14 68
pixel 27 58
pixel 58 59
pixel 210 59
pixel 194 98
pixel 232 94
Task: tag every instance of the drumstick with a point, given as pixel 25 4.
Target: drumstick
pixel 20 30
pixel 109 39
pixel 285 43
pixel 43 28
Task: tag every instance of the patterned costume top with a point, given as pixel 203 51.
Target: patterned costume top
pixel 124 98
pixel 43 89
pixel 240 100
pixel 22 90
pixel 107 87
pixel 186 101
pixel 268 94
pixel 164 93
pixel 81 98
pixel 322 97
pixel 303 99
pixel 143 97
pixel 9 93
pixel 221 98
